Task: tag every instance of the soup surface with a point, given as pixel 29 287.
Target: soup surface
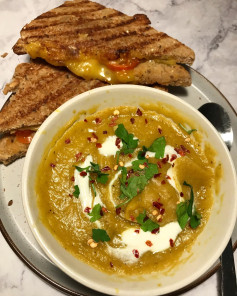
pixel 127 190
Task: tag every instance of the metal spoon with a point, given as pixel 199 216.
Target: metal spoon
pixel 217 115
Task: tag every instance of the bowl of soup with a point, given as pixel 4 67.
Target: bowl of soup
pixel 130 191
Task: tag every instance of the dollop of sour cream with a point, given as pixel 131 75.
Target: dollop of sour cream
pixel 108 147
pixel 137 240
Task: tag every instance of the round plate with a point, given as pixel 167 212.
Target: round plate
pixel 18 234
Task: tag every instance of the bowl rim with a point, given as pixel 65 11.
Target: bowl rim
pixel 25 198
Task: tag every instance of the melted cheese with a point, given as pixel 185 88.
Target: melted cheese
pixel 88 67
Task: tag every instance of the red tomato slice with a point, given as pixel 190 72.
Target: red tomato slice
pixel 123 64
pixel 24 136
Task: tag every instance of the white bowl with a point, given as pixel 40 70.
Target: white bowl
pixel 210 243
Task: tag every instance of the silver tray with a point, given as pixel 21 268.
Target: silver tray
pixel 17 233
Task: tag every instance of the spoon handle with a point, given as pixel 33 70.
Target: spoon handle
pixel 228 282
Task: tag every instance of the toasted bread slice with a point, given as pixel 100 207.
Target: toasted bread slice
pixel 96 42
pixel 38 90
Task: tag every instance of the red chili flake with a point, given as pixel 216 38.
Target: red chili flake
pixel 145 219
pixel 173 157
pixel 135 253
pixel 157 205
pixel 78 155
pixel 181 194
pixel 130 155
pixel 163 182
pixel 146 121
pixel 149 243
pixel 159 164
pixel 92 181
pixel 67 141
pixel 162 211
pixel 157 175
pixel 168 177
pixel 165 159
pixel 173 165
pixel 145 164
pixel 126 183
pixel 70 195
pixel 137 230
pixel 105 132
pixel 104 210
pixel 171 243
pixel 85 120
pixel 155 231
pixel 94 136
pixel 83 174
pixel 87 210
pixel 52 165
pixel 72 178
pixel 132 217
pixel 98 145
pixel 132 120
pixel 111 264
pixel 98 120
pixel 10 203
pixel 159 130
pixel 112 124
pixel 106 168
pixel 184 149
pixel 118 211
pixel 139 112
pixel 101 213
pixel 89 139
pixel 117 142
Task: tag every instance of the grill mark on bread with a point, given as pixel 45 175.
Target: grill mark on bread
pixel 76 11
pixel 87 27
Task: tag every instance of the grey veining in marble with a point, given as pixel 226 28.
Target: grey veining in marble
pixel 207 26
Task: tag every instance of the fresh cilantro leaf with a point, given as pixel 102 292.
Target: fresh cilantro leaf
pixel 134 186
pixel 100 235
pixel 190 205
pixel 123 175
pixel 76 191
pixel 195 220
pixel 182 215
pixel 102 178
pixel 79 169
pixel 129 143
pixel 158 146
pixel 185 213
pixel 151 170
pixel 136 163
pixel 95 213
pixel 188 131
pixel 146 223
pixel 95 168
pixel 142 153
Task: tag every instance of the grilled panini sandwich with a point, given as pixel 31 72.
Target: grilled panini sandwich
pixel 96 42
pixel 38 89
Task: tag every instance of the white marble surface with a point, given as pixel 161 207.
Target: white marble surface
pixel 207 26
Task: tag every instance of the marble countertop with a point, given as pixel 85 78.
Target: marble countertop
pixel 208 27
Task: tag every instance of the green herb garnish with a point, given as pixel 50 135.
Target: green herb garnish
pixel 146 223
pixel 95 213
pixel 185 212
pixel 100 235
pixel 129 143
pixel 76 191
pixel 158 146
pixel 186 130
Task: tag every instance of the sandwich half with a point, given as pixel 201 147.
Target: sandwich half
pixel 37 90
pixel 96 42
